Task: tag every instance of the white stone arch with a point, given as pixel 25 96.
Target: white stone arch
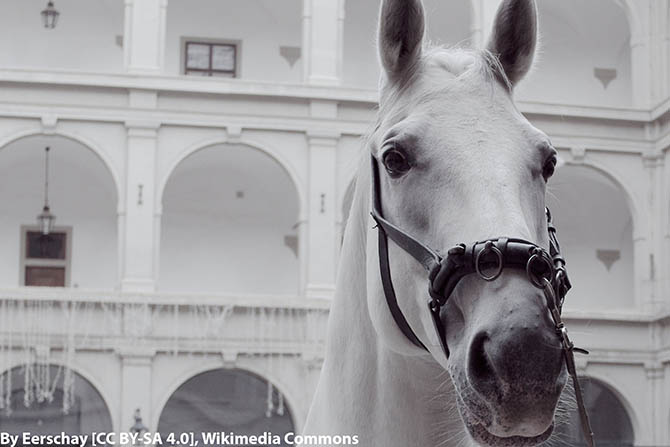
pixel 615 389
pixel 79 369
pixel 639 220
pixel 86 142
pixel 283 163
pixel 290 400
pixel 632 16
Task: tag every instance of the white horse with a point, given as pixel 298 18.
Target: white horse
pixel 458 163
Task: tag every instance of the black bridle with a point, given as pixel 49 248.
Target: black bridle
pixel 487 259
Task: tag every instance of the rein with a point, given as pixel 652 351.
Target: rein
pixel 487 259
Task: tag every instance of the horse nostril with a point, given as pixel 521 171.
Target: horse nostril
pixel 481 373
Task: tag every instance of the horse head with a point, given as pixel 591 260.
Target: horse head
pixel 458 163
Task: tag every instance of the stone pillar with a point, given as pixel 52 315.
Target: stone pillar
pixel 321 249
pixel 655 387
pixel 640 58
pixel 483 15
pixel 144 35
pixel 138 225
pixel 136 366
pixel 322 41
pixel 655 274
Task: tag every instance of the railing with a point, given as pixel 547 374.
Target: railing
pixel 67 320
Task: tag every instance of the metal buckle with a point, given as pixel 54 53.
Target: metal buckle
pixel 538 280
pixel 489 247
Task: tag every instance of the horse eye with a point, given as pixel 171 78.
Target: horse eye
pixel 395 162
pixel 548 168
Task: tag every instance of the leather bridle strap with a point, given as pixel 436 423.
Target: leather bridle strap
pixel 424 255
pixel 488 258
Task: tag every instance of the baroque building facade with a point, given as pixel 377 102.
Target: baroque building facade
pixel 202 156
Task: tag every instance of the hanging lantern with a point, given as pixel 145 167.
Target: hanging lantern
pixel 138 427
pixel 50 16
pixel 45 219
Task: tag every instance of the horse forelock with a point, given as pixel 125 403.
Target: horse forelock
pixel 447 67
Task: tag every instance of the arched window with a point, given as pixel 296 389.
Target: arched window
pixel 46 413
pixel 229 224
pixel 610 422
pixel 227 401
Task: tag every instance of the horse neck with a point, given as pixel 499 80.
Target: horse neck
pixel 365 388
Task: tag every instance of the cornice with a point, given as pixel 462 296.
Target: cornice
pixel 241 87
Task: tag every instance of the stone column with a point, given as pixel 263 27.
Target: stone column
pixel 321 250
pixel 322 41
pixel 483 15
pixel 144 35
pixel 655 384
pixel 136 366
pixel 138 224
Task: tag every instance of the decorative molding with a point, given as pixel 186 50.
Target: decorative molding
pixel 142 129
pixel 578 154
pixel 290 54
pixel 653 159
pixel 291 241
pixel 654 370
pixel 608 257
pixel 136 355
pixel 49 123
pixel 42 353
pixel 234 133
pixel 229 357
pixel 605 75
pixel 323 137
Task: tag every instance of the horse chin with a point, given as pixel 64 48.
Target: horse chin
pixel 486 439
pixel 477 424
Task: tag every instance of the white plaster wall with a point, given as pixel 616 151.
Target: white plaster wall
pixel 448 24
pixel 84 38
pixel 576 37
pixel 82 195
pixel 262 26
pixel 212 240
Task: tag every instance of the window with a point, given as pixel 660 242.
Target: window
pixel 45 260
pixel 210 58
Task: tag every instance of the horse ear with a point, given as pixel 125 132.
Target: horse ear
pixel 401 29
pixel 514 37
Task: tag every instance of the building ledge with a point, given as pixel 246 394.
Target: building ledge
pixel 243 87
pixel 162 298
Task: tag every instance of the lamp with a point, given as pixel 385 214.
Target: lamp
pixel 138 427
pixel 50 15
pixel 45 219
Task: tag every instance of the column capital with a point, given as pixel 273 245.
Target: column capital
pixel 49 123
pixel 654 370
pixel 323 137
pixel 136 355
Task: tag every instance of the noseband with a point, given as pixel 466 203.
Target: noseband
pixel 486 259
